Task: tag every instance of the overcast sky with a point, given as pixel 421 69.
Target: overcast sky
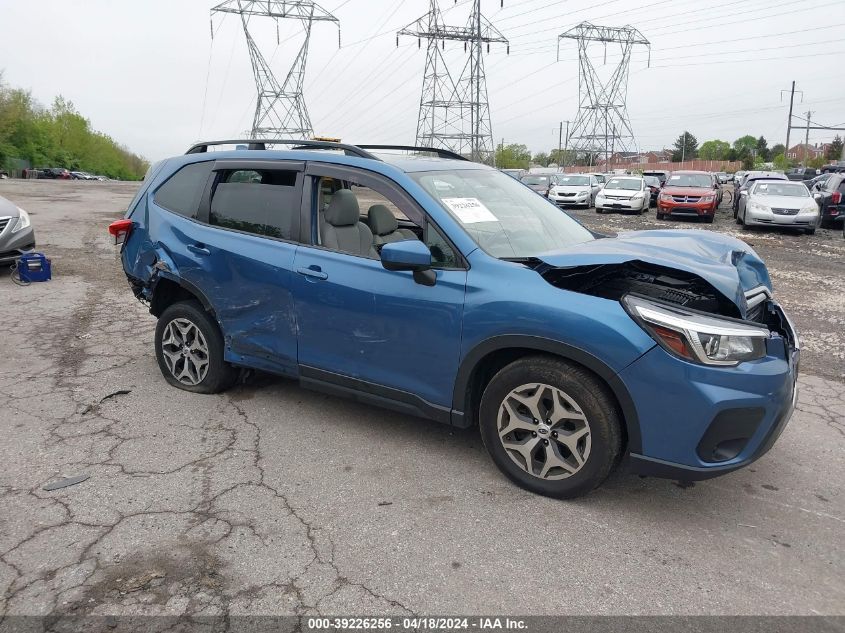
pixel 149 74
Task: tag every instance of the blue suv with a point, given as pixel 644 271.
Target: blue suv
pixel 446 289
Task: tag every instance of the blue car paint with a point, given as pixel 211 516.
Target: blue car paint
pixel 692 395
pixel 364 322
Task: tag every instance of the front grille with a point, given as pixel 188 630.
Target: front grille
pixel 616 198
pixel 566 195
pixel 784 211
pixel 686 198
pixel 3 223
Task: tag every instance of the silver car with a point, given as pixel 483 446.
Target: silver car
pixel 628 194
pixel 779 203
pixel 16 233
pixel 574 189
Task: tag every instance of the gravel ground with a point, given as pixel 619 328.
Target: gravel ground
pixel 270 499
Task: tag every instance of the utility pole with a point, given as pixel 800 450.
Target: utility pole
pixel 789 120
pixel 280 108
pixel 562 157
pixel 683 149
pixel 806 139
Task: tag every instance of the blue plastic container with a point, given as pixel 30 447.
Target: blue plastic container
pixel 34 267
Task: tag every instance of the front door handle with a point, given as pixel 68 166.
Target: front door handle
pixel 199 249
pixel 313 272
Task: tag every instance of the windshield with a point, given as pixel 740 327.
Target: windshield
pixel 500 215
pixel 630 184
pixel 535 180
pixel 791 189
pixel 572 181
pixel 690 180
pixel 652 181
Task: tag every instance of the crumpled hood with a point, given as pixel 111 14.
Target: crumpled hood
pixel 730 265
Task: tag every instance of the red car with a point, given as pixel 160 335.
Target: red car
pixel 688 193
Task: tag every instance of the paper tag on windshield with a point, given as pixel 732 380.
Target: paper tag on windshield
pixel 469 210
pixel 674 177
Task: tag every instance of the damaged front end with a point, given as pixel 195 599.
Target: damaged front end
pixel 683 312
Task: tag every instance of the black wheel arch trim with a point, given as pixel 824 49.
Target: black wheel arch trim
pixel 187 285
pixel 556 348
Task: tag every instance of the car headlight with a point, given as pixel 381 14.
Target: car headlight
pixel 665 197
pixel 708 198
pixel 638 196
pixel 699 338
pixel 812 209
pixel 583 193
pixel 756 206
pixel 23 221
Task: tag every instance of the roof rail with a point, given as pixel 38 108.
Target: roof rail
pixel 441 153
pixel 262 143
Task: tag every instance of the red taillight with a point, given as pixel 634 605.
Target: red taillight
pixel 120 229
pixel 836 197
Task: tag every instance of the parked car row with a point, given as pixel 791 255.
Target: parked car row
pixel 760 197
pixel 60 173
pixel 681 193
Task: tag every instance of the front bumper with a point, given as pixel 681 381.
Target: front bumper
pixel 709 421
pixel 670 207
pixel 758 217
pixel 13 245
pixel 626 204
pixel 573 200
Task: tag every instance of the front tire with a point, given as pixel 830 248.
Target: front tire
pixel 550 426
pixel 189 350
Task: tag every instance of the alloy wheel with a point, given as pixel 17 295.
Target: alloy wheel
pixel 185 351
pixel 544 431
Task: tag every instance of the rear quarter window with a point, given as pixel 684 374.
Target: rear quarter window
pixel 181 192
pixel 262 202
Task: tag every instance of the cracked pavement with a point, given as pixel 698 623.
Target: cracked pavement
pixel 270 499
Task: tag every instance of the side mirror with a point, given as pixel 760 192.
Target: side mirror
pixel 406 255
pixel 743 192
pixel 410 255
pixel 817 196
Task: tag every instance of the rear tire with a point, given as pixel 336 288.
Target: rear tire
pixel 576 440
pixel 189 350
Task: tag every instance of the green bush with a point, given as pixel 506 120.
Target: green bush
pixel 59 137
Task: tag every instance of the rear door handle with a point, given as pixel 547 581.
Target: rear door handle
pixel 313 271
pixel 199 249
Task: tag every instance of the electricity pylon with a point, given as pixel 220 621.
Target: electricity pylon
pixel 602 125
pixel 280 110
pixel 453 114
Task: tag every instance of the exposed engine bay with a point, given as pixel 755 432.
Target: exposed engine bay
pixel 613 281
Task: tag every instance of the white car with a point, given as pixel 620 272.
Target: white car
pixel 780 203
pixel 574 189
pixel 623 193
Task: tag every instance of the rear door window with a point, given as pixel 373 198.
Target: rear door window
pixel 259 201
pixel 183 190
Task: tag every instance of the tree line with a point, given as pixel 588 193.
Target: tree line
pixel 59 136
pixel 749 150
